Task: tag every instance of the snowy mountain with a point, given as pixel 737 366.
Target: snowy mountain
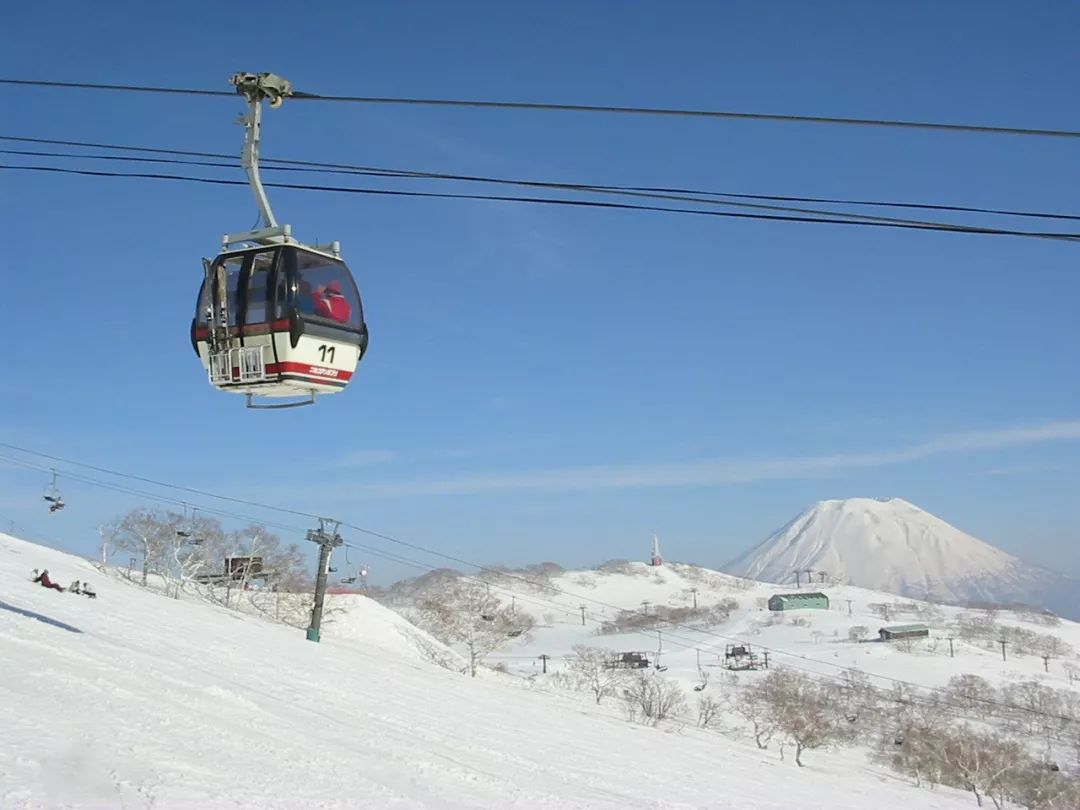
pixel 894 546
pixel 137 700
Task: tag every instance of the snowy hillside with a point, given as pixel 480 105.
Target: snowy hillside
pixel 817 641
pixel 135 700
pixel 891 545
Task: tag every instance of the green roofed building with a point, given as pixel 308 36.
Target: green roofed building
pixel 797 601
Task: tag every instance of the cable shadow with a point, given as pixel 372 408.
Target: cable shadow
pixel 39 616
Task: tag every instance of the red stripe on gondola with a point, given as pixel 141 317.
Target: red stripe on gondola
pixel 310 371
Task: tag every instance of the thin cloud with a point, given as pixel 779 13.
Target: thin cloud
pixel 715 472
pixel 365 458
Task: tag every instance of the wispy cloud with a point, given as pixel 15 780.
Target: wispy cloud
pixel 1023 469
pixel 714 472
pixel 364 458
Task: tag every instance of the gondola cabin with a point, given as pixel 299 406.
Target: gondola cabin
pixel 279 320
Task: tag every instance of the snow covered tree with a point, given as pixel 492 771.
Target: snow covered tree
pixel 466 613
pixel 590 667
pixel 147 533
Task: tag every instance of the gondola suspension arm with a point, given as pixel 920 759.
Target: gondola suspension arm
pixel 256 87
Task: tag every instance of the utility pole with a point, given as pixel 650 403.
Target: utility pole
pixel 1046 663
pixel 582 609
pixel 798 578
pixel 849 601
pixel 766 659
pixel 327 542
pixel 951 647
pixel 513 605
pixel 822 573
pixel 645 606
pixel 694 592
pixel 544 659
pixel 809 577
pixel 1002 642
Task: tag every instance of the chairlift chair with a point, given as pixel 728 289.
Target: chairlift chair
pixel 53 497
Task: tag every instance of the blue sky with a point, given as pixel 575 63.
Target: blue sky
pixel 559 384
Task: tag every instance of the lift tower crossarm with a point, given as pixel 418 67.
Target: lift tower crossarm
pixel 256 87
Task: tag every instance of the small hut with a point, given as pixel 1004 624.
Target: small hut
pixel 902 631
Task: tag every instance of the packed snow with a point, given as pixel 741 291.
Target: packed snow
pixel 138 700
pixel 892 545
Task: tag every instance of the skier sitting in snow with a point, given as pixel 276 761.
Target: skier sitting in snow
pixel 87 590
pixel 43 578
pixel 74 587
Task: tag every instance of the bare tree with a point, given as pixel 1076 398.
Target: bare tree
pixel 466 613
pixel 752 705
pixel 708 711
pixel 591 668
pixel 800 709
pixel 652 698
pixel 982 763
pixel 911 750
pixel 973 693
pixel 1031 701
pixel 858 632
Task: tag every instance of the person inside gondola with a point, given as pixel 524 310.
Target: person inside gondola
pixel 330 303
pixel 306 301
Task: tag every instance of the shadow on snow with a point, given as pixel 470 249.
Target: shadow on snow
pixel 40 617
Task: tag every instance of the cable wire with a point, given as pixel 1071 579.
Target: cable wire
pixel 713 199
pixel 574 203
pixel 580 108
pixel 375 171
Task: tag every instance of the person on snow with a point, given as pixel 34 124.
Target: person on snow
pixel 43 578
pixel 88 590
pixel 74 587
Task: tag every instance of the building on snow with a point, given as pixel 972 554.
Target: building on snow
pixel 901 631
pixel 797 601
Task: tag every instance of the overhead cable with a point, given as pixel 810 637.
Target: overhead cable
pixel 577 108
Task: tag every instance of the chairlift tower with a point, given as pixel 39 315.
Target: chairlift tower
pixel 328 539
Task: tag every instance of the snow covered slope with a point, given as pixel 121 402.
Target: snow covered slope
pixel 815 641
pixel 135 700
pixel 894 546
